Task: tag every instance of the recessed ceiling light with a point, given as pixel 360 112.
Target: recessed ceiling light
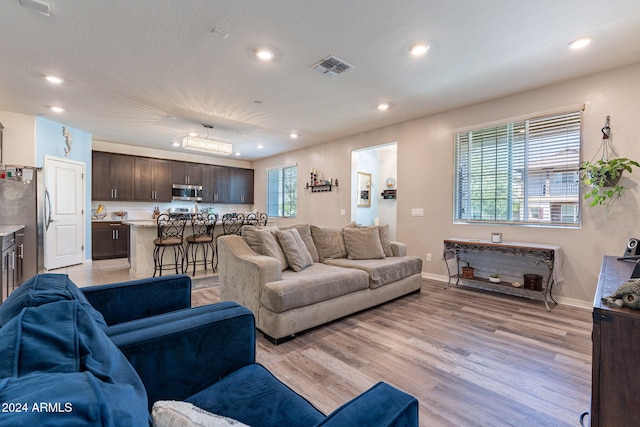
pixel 237 153
pixel 264 54
pixel 383 106
pixel 259 146
pixel 54 79
pixel 581 42
pixel 175 144
pixel 57 109
pixel 418 49
pixel 293 135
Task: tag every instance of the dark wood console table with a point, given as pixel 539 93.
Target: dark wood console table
pixel 536 253
pixel 615 392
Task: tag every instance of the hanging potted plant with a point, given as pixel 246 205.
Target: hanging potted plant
pixel 602 176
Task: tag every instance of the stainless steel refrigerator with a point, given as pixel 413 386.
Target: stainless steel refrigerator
pixel 22 202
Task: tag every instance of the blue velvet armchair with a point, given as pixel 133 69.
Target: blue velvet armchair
pixel 109 352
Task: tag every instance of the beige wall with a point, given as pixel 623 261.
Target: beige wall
pixel 425 177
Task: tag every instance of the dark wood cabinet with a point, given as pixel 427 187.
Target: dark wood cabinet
pixel 616 352
pixel 208 182
pixel 8 263
pixel 124 177
pixel 109 239
pixel 186 173
pixel 221 184
pixel 112 176
pixel 241 186
pixel 152 181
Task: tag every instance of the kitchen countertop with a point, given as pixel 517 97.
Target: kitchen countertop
pixel 141 223
pixel 8 229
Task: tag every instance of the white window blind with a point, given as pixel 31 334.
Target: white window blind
pixel 282 191
pixel 524 172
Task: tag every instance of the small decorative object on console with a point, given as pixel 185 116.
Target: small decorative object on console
pixel 496 237
pixel 495 278
pixel 627 295
pixel 467 272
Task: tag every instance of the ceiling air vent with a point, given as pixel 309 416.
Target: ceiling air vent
pixel 331 66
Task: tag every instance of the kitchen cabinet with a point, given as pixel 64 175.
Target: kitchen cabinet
pixel 152 179
pixel 616 352
pixel 109 239
pixel 19 257
pixel 8 279
pixel 241 186
pixel 215 184
pixel 208 182
pixel 186 173
pixel 112 176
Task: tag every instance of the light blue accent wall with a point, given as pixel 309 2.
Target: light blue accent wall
pixel 51 142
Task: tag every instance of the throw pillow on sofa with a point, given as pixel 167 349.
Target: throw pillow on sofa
pixel 329 242
pixel 171 413
pixel 385 240
pixel 305 233
pixel 363 243
pixel 249 234
pixel 270 247
pixel 295 250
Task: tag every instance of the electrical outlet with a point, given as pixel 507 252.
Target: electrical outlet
pixel 343 212
pixel 429 257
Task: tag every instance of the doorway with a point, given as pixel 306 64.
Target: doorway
pixel 377 168
pixel 63 212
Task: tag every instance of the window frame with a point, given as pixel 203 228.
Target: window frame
pixel 510 194
pixel 281 194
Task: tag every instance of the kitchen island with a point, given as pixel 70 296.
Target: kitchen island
pixel 141 236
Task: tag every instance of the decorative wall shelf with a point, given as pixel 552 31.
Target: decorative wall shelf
pixel 320 188
pixel 389 194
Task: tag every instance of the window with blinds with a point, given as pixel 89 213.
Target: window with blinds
pixel 521 173
pixel 282 191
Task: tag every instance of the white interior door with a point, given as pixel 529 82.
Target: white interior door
pixel 64 213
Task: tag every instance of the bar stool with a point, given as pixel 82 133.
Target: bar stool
pixel 232 223
pixel 202 237
pixel 170 233
pixel 257 219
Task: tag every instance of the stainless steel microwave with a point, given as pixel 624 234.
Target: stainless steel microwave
pixel 186 192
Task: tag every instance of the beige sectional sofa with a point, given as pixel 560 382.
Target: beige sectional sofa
pixel 298 277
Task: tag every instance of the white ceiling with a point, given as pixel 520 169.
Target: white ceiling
pixel 145 72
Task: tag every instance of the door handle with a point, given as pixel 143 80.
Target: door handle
pixel 47 199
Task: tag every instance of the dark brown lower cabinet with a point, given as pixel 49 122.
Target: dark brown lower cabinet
pixel 109 239
pixel 615 392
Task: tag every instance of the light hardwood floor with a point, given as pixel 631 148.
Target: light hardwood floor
pixel 471 358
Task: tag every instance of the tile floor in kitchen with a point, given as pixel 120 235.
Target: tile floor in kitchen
pixel 106 271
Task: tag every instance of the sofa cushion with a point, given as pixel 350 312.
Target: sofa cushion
pixel 252 395
pixel 363 243
pixel 173 413
pixel 329 241
pixel 305 233
pixel 43 289
pixel 294 249
pixel 316 283
pixel 382 271
pixel 270 247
